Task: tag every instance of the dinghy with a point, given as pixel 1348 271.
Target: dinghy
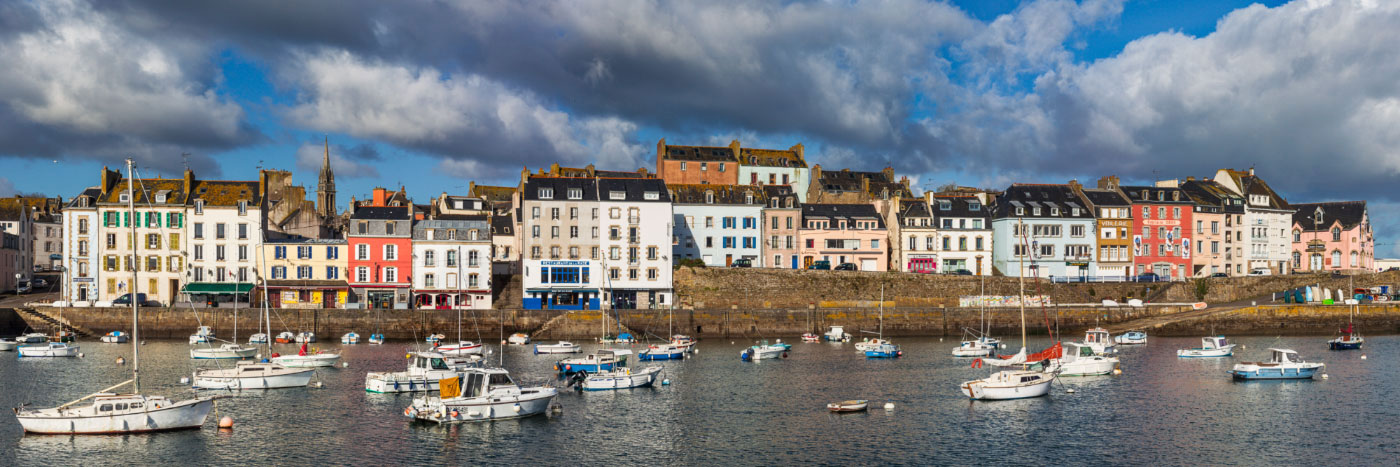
pixel 1216 346
pixel 848 406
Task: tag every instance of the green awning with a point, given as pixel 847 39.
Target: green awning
pixel 217 288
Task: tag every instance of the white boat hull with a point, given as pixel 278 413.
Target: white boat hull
pixel 233 379
pixel 350 339
pixel 223 353
pixel 402 381
pixel 764 353
pixel 1220 352
pixel 529 403
pixel 558 348
pixel 460 349
pixel 518 339
pixel 122 339
pixel 624 379
pixel 181 415
pixel 1085 366
pixel 1007 385
pixel 308 361
pixel 968 349
pixel 32 351
pixel 6 345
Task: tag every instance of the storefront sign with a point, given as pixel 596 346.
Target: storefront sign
pixel 563 263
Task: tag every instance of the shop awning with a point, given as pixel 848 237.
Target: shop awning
pixel 217 288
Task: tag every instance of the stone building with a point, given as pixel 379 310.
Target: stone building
pixel 782 223
pixel 718 224
pixel 1219 216
pixel 17 218
pixel 964 233
pixel 698 165
pixel 1046 229
pixel 913 235
pixel 846 186
pixel 844 233
pixel 80 237
pixel 288 211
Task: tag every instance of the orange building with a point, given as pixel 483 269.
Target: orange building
pixel 695 165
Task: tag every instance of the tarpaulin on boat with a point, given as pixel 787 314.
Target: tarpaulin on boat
pixel 1055 351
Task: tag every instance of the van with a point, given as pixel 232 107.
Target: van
pixel 823 265
pixel 23 287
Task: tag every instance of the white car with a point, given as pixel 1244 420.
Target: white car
pixel 1259 272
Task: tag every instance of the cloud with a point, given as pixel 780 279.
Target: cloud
pixel 460 117
pixel 7 188
pixel 346 161
pixel 75 84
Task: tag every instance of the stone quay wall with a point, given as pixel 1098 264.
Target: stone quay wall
pixel 1288 320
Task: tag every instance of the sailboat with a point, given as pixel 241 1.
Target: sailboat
pixel 254 375
pixel 229 350
pixel 112 413
pixel 670 351
pixel 980 344
pixel 1014 383
pixel 882 348
pixel 870 344
pixel 1350 338
pixel 378 337
pixel 461 347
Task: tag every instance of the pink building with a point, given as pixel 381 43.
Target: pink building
pixel 843 233
pixel 1333 237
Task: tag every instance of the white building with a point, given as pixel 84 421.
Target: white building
pixel 224 219
pixel 17 218
pixel 775 167
pixel 637 224
pixel 452 262
pixel 718 224
pixel 1267 246
pixel 561 257
pixel 964 233
pixel 913 236
pixel 80 263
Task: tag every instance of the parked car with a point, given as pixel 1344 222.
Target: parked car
pixel 741 263
pixel 847 267
pixel 1149 277
pixel 1219 274
pixel 23 287
pixel 960 272
pixel 823 265
pixel 125 299
pixel 1259 272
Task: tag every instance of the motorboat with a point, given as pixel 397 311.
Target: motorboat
pixel 1100 340
pixel 884 351
pixel 258 338
pixel 979 347
pixel 1282 364
pixel 434 338
pixel 602 360
pixel 48 349
pixel 662 352
pixel 7 344
pixel 306 337
pixel 32 338
pixel 1348 340
pixel 518 338
pixel 1009 384
pixel 459 349
pixel 1131 338
pixel 560 347
pixel 870 344
pixel 308 359
pixel 252 375
pixel 116 337
pixel 1081 360
pixel 285 337
pixel 202 335
pixel 481 394
pixel 683 341
pixel 763 351
pixel 112 413
pixel 810 337
pixel 376 339
pixel 622 338
pixel 836 334
pixel 848 406
pixel 424 371
pixel 1216 346
pixel 223 352
pixel 784 345
pixel 350 338
pixel 617 378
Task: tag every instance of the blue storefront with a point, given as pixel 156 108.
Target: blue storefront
pixel 560 285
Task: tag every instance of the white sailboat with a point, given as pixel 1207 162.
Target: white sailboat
pixel 227 351
pixel 112 413
pixel 461 348
pixel 980 345
pixel 1012 383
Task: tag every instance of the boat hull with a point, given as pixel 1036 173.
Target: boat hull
pixel 183 415
pixel 1337 344
pixel 554 348
pixel 754 354
pixel 662 354
pixel 527 404
pixel 569 368
pixel 459 350
pixel 223 354
pixel 391 383
pixel 1207 353
pixel 307 361
pixel 1268 373
pixel 8 345
pixel 44 351
pixel 994 388
pixel 1087 367
pixel 621 380
pixel 225 379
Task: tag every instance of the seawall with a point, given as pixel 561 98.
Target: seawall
pixel 1285 320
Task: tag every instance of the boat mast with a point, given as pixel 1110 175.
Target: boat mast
pixel 882 311
pixel 1021 278
pixel 135 268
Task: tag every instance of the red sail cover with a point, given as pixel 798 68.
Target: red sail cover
pixel 1055 351
pixel 1347 330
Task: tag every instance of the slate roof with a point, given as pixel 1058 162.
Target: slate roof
pixel 390 213
pixel 1210 193
pixel 1105 198
pixel 561 188
pixel 699 153
pixel 493 193
pixel 1253 185
pixel 1348 213
pixel 724 194
pixel 1156 195
pixel 783 193
pixel 771 157
pixel 501 225
pixel 635 189
pixel 1030 196
pixel 849 212
pixel 90 194
pixel 964 207
pixel 846 180
pixel 225 192
pixel 147 190
pixel 913 208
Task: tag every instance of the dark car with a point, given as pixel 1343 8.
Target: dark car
pixel 960 272
pixel 741 263
pixel 40 283
pixel 823 265
pixel 125 299
pixel 847 267
pixel 1219 274
pixel 1148 277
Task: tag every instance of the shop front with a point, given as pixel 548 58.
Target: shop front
pixel 451 299
pixel 308 294
pixel 212 294
pixel 561 285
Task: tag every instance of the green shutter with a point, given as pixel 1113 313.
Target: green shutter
pixel 126 219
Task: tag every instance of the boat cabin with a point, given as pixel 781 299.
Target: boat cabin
pixel 1284 356
pixel 482 382
pixel 1216 342
pixel 204 331
pixel 1098 336
pixel 1075 351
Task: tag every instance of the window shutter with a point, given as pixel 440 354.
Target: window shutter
pixel 126 219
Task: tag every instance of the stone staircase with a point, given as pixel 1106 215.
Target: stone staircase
pixel 506 290
pixel 39 320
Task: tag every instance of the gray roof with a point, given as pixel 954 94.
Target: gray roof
pixel 395 213
pixel 849 212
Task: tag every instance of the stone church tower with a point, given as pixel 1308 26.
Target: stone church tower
pixel 325 189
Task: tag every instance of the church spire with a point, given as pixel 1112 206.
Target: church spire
pixel 325 191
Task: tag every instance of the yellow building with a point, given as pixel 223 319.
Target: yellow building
pixel 304 272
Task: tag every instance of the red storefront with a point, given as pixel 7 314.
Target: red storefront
pixel 381 255
pixel 1161 231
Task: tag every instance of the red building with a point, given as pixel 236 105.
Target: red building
pixel 381 254
pixel 1161 231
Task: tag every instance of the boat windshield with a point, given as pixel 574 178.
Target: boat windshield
pixel 501 379
pixel 438 364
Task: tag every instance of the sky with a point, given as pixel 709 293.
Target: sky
pixel 434 95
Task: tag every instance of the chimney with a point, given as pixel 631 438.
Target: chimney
pixel 889 173
pixel 865 185
pixel 1074 185
pixel 380 197
pixel 524 175
pixel 471 188
pixel 905 181
pixel 1190 178
pixel 1251 171
pixel 592 172
pixel 800 152
pixel 189 181
pixel 1173 183
pixel 1109 183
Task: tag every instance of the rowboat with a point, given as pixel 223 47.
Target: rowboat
pixel 848 406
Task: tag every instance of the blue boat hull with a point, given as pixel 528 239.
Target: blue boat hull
pixel 1275 373
pixel 568 368
pixel 661 356
pixel 1335 345
pixel 879 354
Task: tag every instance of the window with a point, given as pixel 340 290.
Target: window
pixel 219 231
pixel 242 231
pixel 576 193
pixel 430 258
pixel 535 212
pixel 651 253
pixel 546 193
pixel 219 252
pixel 682 166
pixel 651 274
pixel 573 252
pixel 1076 231
pixel 153 263
pixel 979 243
pixel 875 244
pixel 704 166
pixel 391 252
pixel 1161 212
pixel 1176 213
pixel 242 252
pixel 1336 259
pixel 362 251
pixel 199 230
pixel 573 231
pixel 535 231
pixel 153 241
pixel 429 280
pixel 198 206
pixel 709 222
pixel 1336 234
pixel 303 272
pixel 389 227
pixel 303 252
pixel 391 274
pixel 471 257
pixel 362 274
pixel 199 252
pixel 1353 259
pixel 332 272
pixel 83 226
pixel 473 280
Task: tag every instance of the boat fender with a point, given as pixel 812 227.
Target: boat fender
pixel 396 385
pixel 516 408
pixel 408 411
pixel 977 363
pixel 455 414
pixel 784 355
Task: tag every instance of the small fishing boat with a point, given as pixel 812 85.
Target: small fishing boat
pixel 1131 338
pixel 376 339
pixel 1009 384
pixel 1282 364
pixel 202 335
pixel 784 345
pixel 252 375
pixel 1081 360
pixel 424 371
pixel 33 338
pixel 979 347
pixel 1216 346
pixel 836 334
pixel 858 405
pixel 223 352
pixel 116 337
pixel 518 338
pixel 602 360
pixel 306 338
pixel 618 378
pixel 683 341
pixel 884 351
pixel 1349 339
pixel 49 349
pixel 624 338
pixel 461 348
pixel 870 344
pixel 285 337
pixel 434 338
pixel 1100 340
pixel 763 351
pixel 561 347
pixel 350 338
pixel 810 337
pixel 308 359
pixel 662 352
pixel 481 394
pixel 258 338
pixel 7 344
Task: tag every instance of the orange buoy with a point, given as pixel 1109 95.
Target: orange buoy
pixel 226 422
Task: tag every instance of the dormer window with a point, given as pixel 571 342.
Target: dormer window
pixel 709 197
pixel 242 208
pixel 123 198
pixel 1075 212
pixel 199 207
pixel 576 193
pixel 974 206
pixel 1176 196
pixel 160 197
pixel 1055 211
pixel 651 195
pixel 1020 211
pixel 1035 211
pixel 617 195
pixel 748 198
pixel 945 205
pixel 1144 195
pixel 546 193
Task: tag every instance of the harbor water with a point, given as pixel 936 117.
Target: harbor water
pixel 720 410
